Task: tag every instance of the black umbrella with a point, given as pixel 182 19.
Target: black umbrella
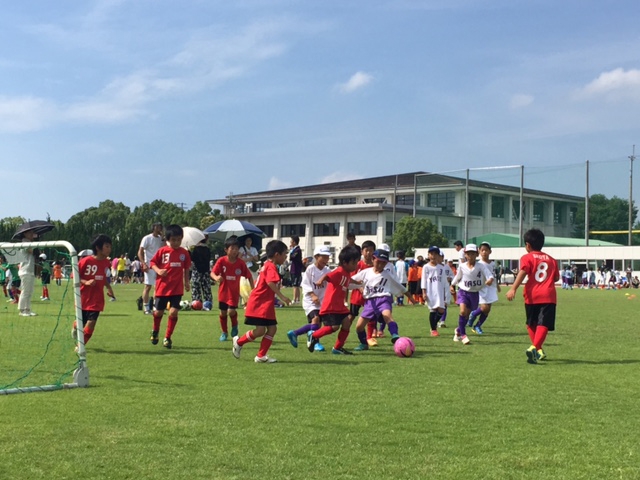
pixel 40 227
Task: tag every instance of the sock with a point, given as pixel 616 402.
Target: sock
pixel 246 338
pixel 532 334
pixel 371 326
pixel 462 323
pixel 157 318
pixel 150 304
pixel 223 324
pixel 476 312
pixel 264 345
pixel 171 325
pixel 433 320
pixel 362 336
pixel 321 332
pixel 342 338
pixel 483 317
pixel 234 319
pixel 540 337
pixel 393 328
pixel 382 325
pixel 87 334
pixel 443 317
pixel 305 329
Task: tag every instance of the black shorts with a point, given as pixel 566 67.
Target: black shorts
pixel 543 314
pixel 333 319
pixel 15 282
pixel 121 273
pixel 312 314
pixel 45 277
pixel 414 288
pixel 354 310
pixel 296 280
pixel 225 306
pixel 89 315
pixel 173 301
pixel 260 322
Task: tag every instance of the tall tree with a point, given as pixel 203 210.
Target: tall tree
pixel 605 214
pixel 414 233
pixel 108 217
pixel 8 227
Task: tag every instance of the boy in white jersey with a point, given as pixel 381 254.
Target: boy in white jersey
pixel 434 286
pixel 448 274
pixel 312 296
pixel 488 294
pixel 380 286
pixel 471 277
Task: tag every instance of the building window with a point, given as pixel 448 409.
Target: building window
pixel 317 202
pixel 451 233
pixel 538 211
pixel 362 228
pixel 404 199
pixel 515 210
pixel 260 206
pixel 445 200
pixel 497 207
pixel 326 229
pixel 288 205
pixel 267 229
pixel 344 201
pixel 375 200
pixel 476 204
pixel 558 213
pixel 293 229
pixel 573 212
pixel 388 229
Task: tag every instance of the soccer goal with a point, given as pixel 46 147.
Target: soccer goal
pixel 39 352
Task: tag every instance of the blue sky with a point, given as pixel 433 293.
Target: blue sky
pixel 191 100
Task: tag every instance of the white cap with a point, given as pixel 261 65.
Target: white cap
pixel 471 247
pixel 322 250
pixel 384 246
pixel 43 256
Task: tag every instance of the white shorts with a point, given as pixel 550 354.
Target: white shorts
pixel 150 277
pixel 488 294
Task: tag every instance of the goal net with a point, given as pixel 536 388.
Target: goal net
pixel 38 352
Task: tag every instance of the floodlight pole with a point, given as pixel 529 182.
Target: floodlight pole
pixel 466 209
pixel 632 157
pixel 521 213
pixel 586 206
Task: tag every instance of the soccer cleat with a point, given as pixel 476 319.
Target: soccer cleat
pixel 532 355
pixel 456 337
pixel 147 312
pixel 394 338
pixel 361 347
pixel 442 325
pixel 236 348
pixel 154 338
pixel 224 337
pixel 293 338
pixel 311 342
pixel 372 342
pixel 167 343
pixel 45 299
pixel 234 331
pixel 265 359
pixel 478 330
pixel 318 347
pixel 434 333
pixel 340 351
pixel 541 355
pixel 465 340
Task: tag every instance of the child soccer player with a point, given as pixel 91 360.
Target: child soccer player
pixel 488 294
pixel 228 271
pixel 93 280
pixel 57 273
pixel 356 300
pixel 312 296
pixel 471 277
pixel 45 277
pixel 333 313
pixel 540 296
pixel 171 264
pixel 434 286
pixel 260 310
pixel 402 268
pixel 380 287
pixel 413 280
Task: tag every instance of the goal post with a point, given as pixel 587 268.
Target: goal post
pixel 40 353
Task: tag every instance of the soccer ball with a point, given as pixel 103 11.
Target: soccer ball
pixel 404 347
pixel 185 305
pixel 196 305
pixel 207 306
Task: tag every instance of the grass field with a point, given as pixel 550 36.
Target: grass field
pixel 451 411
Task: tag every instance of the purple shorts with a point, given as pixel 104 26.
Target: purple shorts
pixel 470 299
pixel 373 307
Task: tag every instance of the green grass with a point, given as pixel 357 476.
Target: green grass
pixel 451 411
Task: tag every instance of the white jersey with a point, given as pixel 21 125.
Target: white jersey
pixel 309 277
pixel 489 293
pixel 383 284
pixel 472 279
pixel 401 271
pixel 448 274
pixel 435 285
pixel 151 244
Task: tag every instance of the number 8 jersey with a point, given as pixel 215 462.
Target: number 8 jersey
pixel 542 274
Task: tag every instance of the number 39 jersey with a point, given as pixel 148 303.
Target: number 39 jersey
pixel 92 296
pixel 472 279
pixel 542 274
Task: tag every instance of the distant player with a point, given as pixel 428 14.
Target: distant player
pixel 45 277
pixel 434 286
pixel 402 270
pixel 228 271
pixel 356 300
pixel 93 280
pixel 260 311
pixel 171 265
pixel 488 294
pixel 540 296
pixel 57 273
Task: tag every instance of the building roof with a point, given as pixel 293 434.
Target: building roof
pixel 513 240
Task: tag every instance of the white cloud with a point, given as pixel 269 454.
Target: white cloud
pixel 24 114
pixel 614 85
pixel 340 177
pixel 520 100
pixel 277 184
pixel 356 82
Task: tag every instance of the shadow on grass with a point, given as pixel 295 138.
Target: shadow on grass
pixel 328 361
pixel 159 351
pixel 573 361
pixel 120 378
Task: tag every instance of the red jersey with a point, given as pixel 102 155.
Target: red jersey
pixel 261 301
pixel 356 295
pixel 175 261
pixel 92 296
pixel 229 289
pixel 542 274
pixel 334 296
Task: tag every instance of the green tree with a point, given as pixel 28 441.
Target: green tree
pixel 605 214
pixel 201 215
pixel 8 227
pixel 414 233
pixel 108 217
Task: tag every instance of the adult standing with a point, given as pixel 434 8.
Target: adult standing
pixel 200 274
pixel 149 245
pixel 249 254
pixel 296 267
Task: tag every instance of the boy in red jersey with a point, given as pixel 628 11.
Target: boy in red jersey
pixel 228 271
pixel 260 310
pixel 93 280
pixel 333 313
pixel 539 292
pixel 171 264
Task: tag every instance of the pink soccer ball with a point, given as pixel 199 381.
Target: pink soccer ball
pixel 404 347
